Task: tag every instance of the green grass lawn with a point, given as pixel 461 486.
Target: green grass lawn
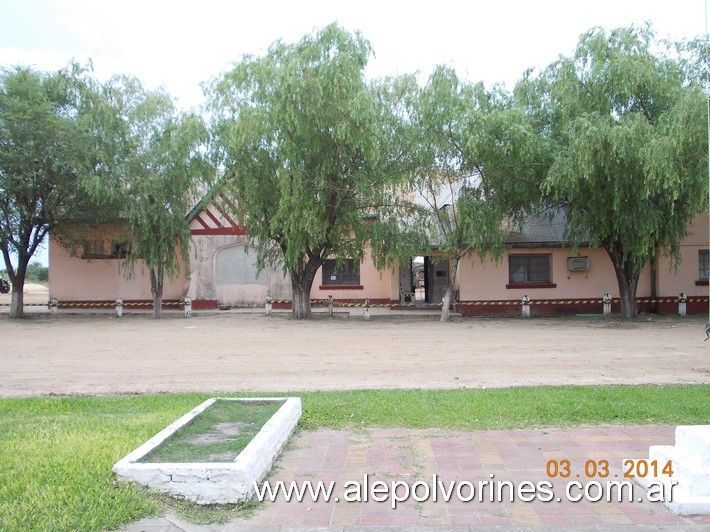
pixel 201 441
pixel 56 454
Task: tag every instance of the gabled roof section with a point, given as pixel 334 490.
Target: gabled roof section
pixel 206 199
pixel 216 214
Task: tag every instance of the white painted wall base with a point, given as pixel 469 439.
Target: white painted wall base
pixel 214 483
pixel 690 457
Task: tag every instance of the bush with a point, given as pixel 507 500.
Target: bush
pixel 37 273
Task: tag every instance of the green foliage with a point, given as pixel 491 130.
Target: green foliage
pixel 45 155
pixel 158 171
pixel 321 161
pixel 477 165
pixel 630 133
pixel 312 152
pixel 37 272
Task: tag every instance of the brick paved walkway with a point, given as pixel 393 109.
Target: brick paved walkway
pixel 415 455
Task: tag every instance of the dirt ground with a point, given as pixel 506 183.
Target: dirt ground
pixel 235 352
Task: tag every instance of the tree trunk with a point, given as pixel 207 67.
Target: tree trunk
pixel 446 304
pixel 17 306
pixel 445 314
pixel 17 279
pixel 627 272
pixel 627 296
pixel 156 289
pixel 301 301
pixel 654 282
pixel 301 284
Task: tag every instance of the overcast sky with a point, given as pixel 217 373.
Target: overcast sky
pixel 180 44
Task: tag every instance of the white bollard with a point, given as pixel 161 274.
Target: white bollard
pixel 330 305
pixel 53 305
pixel 526 307
pixel 188 307
pixel 119 307
pixel 682 298
pixel 269 306
pixel 366 312
pixel 606 299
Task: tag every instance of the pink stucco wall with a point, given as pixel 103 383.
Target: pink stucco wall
pixel 207 253
pixel 672 282
pixel 487 280
pixel 376 284
pixel 75 279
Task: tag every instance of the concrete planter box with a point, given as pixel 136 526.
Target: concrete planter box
pixel 214 482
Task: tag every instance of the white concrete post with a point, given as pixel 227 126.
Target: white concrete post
pixel 366 312
pixel 682 298
pixel 53 305
pixel 268 305
pixel 330 305
pixel 119 307
pixel 526 307
pixel 188 307
pixel 606 299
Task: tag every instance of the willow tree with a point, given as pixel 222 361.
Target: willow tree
pixel 158 171
pixel 479 162
pixel 315 162
pixel 46 152
pixel 630 164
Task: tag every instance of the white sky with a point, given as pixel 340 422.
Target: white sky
pixel 179 44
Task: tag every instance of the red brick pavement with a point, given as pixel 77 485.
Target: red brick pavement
pixel 415 455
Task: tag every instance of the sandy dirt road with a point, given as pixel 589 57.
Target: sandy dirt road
pixel 100 354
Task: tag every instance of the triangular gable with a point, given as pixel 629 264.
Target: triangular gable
pixel 216 217
pixel 216 214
